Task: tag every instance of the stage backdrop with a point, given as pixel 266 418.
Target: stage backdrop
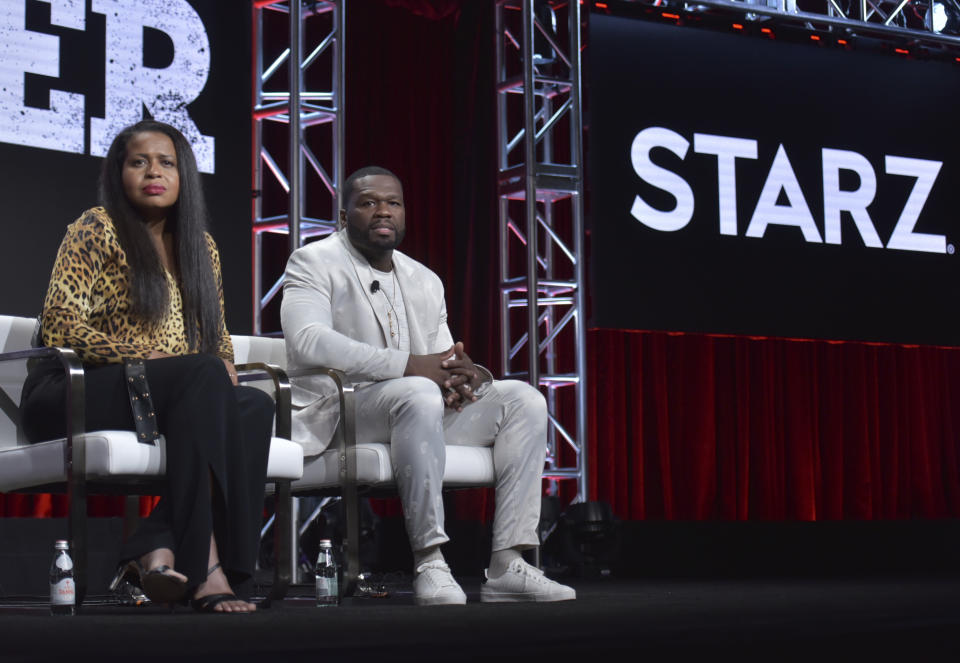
pixel 72 74
pixel 749 186
pixel 743 185
pixel 683 426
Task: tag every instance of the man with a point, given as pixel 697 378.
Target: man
pixel 353 302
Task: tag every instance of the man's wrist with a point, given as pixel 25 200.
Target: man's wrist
pixel 483 381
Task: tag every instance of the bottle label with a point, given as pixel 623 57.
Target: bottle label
pixel 324 587
pixel 63 592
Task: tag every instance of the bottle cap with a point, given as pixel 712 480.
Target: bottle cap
pixel 325 542
pixel 61 545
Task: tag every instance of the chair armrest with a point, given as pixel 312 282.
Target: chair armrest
pixel 337 375
pixel 281 389
pixel 346 436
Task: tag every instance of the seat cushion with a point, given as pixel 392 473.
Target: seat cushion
pixel 285 461
pixel 110 454
pixel 249 349
pixel 15 333
pixel 465 467
pixel 117 456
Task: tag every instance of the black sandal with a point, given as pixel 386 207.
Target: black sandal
pixel 210 602
pixel 162 588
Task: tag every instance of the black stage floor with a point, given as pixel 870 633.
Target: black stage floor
pixel 792 619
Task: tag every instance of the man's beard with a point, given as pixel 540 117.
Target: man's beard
pixel 370 241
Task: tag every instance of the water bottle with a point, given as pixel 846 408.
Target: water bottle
pixel 63 594
pixel 328 586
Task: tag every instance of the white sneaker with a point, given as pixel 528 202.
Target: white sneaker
pixel 434 585
pixel 523 582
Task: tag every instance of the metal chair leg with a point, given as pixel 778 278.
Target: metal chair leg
pixel 351 507
pixel 284 543
pixel 131 515
pixel 77 528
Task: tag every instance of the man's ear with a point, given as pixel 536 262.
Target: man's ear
pixel 342 221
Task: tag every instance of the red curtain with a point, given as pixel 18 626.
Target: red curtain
pixel 43 505
pixel 686 426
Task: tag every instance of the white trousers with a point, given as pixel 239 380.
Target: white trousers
pixel 511 416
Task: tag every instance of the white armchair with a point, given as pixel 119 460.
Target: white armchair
pixel 102 462
pixel 349 469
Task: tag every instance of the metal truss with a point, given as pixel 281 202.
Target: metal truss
pixel 298 112
pixel 540 189
pixel 909 22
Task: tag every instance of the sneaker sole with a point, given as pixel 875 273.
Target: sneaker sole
pixel 438 600
pixel 522 598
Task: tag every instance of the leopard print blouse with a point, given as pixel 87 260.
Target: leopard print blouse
pixel 87 307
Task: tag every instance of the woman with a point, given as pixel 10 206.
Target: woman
pixel 138 279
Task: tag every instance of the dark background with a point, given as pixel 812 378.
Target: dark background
pixel 807 98
pixel 43 191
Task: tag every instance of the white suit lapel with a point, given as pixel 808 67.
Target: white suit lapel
pixel 365 277
pixel 412 293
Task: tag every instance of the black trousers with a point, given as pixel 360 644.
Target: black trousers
pixel 217 443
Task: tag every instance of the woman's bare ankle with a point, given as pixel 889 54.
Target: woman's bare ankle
pixel 216 583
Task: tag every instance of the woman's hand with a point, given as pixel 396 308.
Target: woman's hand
pixel 231 371
pixel 156 354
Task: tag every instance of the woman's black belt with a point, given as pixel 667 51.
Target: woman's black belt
pixel 141 404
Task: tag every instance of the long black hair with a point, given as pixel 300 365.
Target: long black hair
pixel 187 221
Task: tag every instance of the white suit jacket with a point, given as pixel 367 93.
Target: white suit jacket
pixel 331 318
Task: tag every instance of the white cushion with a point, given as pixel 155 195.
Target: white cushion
pixel 249 349
pixel 285 461
pixel 15 332
pixel 117 456
pixel 109 454
pixel 465 467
